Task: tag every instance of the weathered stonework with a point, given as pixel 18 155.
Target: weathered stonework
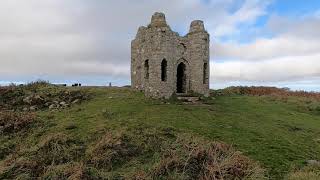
pixel 164 63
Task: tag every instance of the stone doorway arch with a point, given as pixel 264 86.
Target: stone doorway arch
pixel 181 78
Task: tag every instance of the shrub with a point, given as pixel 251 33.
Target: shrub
pixel 35 85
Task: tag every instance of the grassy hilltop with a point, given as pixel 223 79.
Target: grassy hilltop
pixel 117 133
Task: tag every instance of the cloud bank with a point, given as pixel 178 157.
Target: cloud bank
pixel 292 53
pixel 58 38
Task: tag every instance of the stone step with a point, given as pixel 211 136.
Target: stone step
pixel 188 98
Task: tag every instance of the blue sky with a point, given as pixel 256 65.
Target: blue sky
pixel 253 42
pixel 294 8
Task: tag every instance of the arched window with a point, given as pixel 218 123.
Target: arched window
pixel 164 70
pixel 146 69
pixel 205 73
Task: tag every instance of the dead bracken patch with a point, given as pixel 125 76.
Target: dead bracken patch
pixel 309 172
pixel 206 161
pixel 70 171
pixel 11 122
pixel 139 175
pixel 183 158
pixel 169 155
pixel 262 91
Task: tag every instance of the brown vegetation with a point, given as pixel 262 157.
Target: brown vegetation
pixel 112 150
pixel 11 122
pixel 206 160
pixel 310 172
pixel 53 150
pixel 261 91
pixel 60 157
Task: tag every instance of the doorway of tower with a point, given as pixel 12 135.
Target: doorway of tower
pixel 181 78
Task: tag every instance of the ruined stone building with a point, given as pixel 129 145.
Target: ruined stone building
pixel 164 63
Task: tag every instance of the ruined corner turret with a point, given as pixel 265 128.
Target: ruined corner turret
pixel 197 26
pixel 158 20
pixel 164 63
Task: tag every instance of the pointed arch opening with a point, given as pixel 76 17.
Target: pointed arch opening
pixel 181 78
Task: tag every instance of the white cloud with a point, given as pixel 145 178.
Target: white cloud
pixel 269 70
pixel 92 38
pixel 247 13
pixel 82 37
pixel 291 37
pixel 291 54
pixel 264 48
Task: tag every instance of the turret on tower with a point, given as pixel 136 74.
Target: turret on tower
pixel 158 20
pixel 196 26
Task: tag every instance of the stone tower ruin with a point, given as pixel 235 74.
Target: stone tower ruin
pixel 163 63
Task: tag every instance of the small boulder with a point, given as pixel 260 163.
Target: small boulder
pixel 62 103
pixel 33 108
pixel 27 100
pixel 52 106
pixel 38 97
pixel 75 101
pixel 37 100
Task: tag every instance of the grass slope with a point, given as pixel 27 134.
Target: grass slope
pixel 281 135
